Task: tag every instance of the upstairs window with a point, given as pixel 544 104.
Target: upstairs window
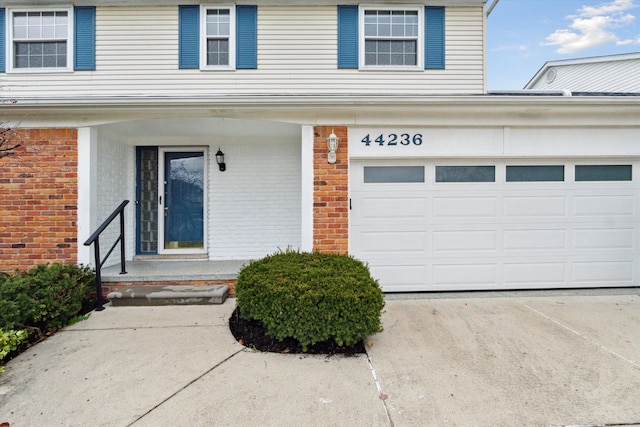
pixel 218 38
pixel 41 40
pixel 391 38
pixel 47 39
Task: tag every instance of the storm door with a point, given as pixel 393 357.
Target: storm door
pixel 182 201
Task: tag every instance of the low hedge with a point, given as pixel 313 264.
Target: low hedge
pixel 44 299
pixel 311 297
pixel 46 296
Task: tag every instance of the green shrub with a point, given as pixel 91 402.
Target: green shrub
pixel 312 297
pixel 46 296
pixel 9 341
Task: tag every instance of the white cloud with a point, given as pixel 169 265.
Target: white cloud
pixel 593 26
pixel 616 6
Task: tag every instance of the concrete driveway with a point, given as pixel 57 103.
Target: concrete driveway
pixel 470 359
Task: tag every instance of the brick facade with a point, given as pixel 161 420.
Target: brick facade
pixel 330 193
pixel 39 199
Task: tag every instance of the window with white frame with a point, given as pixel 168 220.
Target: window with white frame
pixel 392 37
pixel 218 37
pixel 40 40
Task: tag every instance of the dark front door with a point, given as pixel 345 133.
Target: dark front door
pixel 182 205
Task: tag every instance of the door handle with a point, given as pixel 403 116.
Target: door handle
pixel 160 200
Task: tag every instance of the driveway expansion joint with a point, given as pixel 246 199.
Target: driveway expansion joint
pixel 186 386
pixel 586 338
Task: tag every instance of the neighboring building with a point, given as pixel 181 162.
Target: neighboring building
pixel 605 74
pixel 437 184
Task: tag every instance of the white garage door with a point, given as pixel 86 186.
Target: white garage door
pixel 465 225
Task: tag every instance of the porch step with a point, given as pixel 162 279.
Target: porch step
pixel 141 295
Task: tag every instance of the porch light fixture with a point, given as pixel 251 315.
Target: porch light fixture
pixel 332 145
pixel 220 160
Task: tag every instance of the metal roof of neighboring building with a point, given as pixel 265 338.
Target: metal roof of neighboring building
pixel 600 74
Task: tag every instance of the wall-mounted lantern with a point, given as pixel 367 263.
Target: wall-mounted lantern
pixel 332 145
pixel 220 160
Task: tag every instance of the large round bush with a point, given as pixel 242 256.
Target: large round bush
pixel 312 297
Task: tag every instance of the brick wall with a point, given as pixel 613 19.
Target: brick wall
pixel 38 200
pixel 330 193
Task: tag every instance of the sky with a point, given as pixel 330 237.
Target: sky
pixel 524 34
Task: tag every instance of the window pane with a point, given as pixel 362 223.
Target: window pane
pixel 465 173
pixel 370 23
pixel 61 31
pixel 62 18
pixel 20 26
pixel 21 49
pixel 218 22
pixel 390 52
pixel 370 58
pixel 46 48
pixel 34 32
pixel 603 172
pixel 410 59
pixel 34 19
pixel 39 55
pixel 535 173
pixel 217 52
pixel 387 174
pixel 36 49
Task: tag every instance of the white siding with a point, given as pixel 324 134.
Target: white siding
pixel 137 55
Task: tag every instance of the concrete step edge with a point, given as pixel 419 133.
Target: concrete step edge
pixel 169 295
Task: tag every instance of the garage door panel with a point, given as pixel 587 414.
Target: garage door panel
pixel 388 208
pixel 401 278
pixel 622 205
pixel 395 242
pixel 594 272
pixel 465 207
pixel 542 274
pixel 535 206
pixel 464 241
pixel 519 240
pixel 604 238
pixel 466 276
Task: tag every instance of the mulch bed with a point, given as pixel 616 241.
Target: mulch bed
pixel 252 334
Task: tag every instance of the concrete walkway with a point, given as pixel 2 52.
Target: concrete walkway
pixel 478 359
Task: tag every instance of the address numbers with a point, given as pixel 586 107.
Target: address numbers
pixel 393 139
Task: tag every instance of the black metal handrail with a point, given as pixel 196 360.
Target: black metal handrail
pixel 95 239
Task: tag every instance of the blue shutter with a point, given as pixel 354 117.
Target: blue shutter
pixel 189 36
pixel 347 36
pixel 84 57
pixel 434 37
pixel 3 41
pixel 246 37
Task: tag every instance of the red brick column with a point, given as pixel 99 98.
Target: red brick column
pixel 39 199
pixel 330 193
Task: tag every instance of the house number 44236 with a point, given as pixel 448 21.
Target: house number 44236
pixel 393 139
